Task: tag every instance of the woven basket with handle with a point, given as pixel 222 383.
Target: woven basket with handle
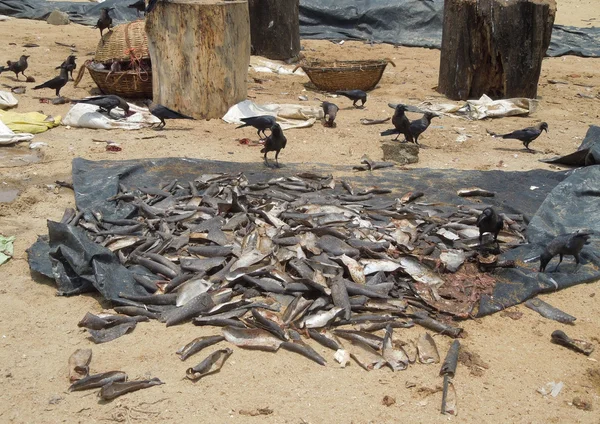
pixel 345 74
pixel 126 43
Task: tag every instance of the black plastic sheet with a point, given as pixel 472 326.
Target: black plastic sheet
pixel 568 201
pixel 415 23
pixel 588 153
pixel 572 204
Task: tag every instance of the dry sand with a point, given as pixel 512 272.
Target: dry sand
pixel 38 330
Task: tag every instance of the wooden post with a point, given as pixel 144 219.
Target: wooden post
pixel 494 47
pixel 200 51
pixel 275 28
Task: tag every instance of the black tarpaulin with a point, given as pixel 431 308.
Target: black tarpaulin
pixel 587 154
pixel 568 201
pixel 415 23
pixel 572 204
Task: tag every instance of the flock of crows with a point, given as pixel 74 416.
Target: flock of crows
pixel 488 222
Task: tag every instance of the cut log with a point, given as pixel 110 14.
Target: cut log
pixel 494 47
pixel 275 28
pixel 200 53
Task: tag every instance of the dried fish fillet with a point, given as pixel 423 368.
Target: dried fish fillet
pixel 252 338
pixel 212 364
pixel 548 311
pixel 581 346
pixel 427 349
pixel 79 363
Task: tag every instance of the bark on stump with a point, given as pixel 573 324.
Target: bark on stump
pixel 200 51
pixel 494 47
pixel 275 28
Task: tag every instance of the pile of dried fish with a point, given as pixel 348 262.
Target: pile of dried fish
pixel 294 255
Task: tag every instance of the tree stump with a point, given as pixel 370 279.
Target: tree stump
pixel 200 53
pixel 275 28
pixel 494 47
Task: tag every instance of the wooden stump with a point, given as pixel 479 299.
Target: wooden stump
pixel 275 28
pixel 200 53
pixel 494 47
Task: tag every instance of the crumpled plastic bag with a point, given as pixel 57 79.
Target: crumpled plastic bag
pixel 82 115
pixel 6 248
pixel 260 65
pixel 7 136
pixel 29 122
pixel 485 107
pixel 288 115
pixel 7 100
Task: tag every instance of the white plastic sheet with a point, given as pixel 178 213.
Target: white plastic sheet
pixel 288 115
pixel 9 137
pixel 7 100
pixel 485 107
pixel 82 115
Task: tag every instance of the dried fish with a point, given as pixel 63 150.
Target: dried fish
pixel 325 338
pixel 198 305
pixel 581 346
pixel 475 191
pixel 448 371
pixel 115 389
pixel 136 311
pixel 79 363
pixel 395 358
pixel 372 340
pixel 424 320
pixel 356 270
pixel 322 319
pixel 339 295
pixel 212 364
pixel 252 338
pixel 365 355
pixel 108 334
pixel 197 345
pixel 427 350
pixel 297 345
pixel 98 380
pixel 548 311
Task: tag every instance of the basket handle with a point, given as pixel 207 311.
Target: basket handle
pixel 80 73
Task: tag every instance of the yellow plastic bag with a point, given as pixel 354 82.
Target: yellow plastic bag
pixel 30 122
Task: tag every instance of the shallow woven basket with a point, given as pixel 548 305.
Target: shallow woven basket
pixel 345 75
pixel 129 84
pixel 126 43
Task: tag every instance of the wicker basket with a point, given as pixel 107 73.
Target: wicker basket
pixel 126 43
pixel 132 84
pixel 345 75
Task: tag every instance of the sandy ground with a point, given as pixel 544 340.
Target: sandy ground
pixel 38 330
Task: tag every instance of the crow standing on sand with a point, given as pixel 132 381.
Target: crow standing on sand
pixel 274 143
pixel 261 123
pixel 105 21
pixel 17 67
pixel 566 244
pixel 418 126
pixel 355 96
pixel 56 83
pixel 526 135
pixel 330 110
pixel 69 64
pixel 401 124
pixel 163 112
pixel 107 103
pixel 139 6
pixel 489 222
